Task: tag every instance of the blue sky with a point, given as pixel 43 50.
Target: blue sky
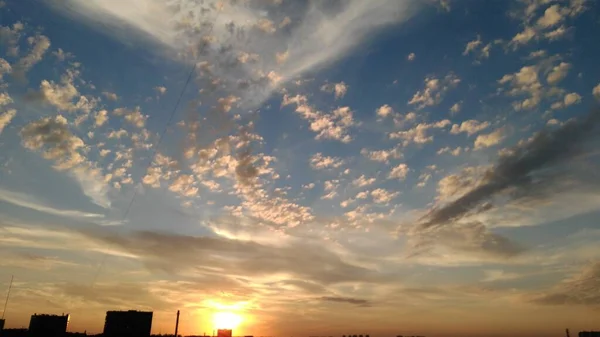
pixel 328 166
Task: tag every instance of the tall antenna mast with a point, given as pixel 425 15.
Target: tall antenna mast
pixel 177 324
pixel 7 295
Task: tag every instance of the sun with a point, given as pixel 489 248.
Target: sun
pixel 226 320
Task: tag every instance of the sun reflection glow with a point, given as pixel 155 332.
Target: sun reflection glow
pixel 226 320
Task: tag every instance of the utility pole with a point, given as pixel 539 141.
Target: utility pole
pixel 8 295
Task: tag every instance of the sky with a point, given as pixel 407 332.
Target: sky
pixel 388 167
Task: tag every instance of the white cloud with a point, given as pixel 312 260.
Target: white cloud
pixel 6 117
pixel 456 108
pixel 320 162
pixel 382 156
pixel 184 185
pixel 558 73
pixel 334 125
pixel 553 15
pixel 134 116
pixel 61 55
pixel 27 201
pixel 434 91
pixel 101 117
pixel 472 46
pixel 363 181
pixel 411 57
pixel 5 68
pixel 558 33
pixel 40 45
pixel 455 152
pixel 470 127
pixel 160 90
pixel 319 35
pixel 382 196
pixel 266 25
pixel 110 95
pixel 596 91
pixel 569 99
pixel 399 172
pixel 384 111
pixel 52 137
pixel 339 89
pixel 418 134
pixel 525 82
pixel 572 98
pixel 490 139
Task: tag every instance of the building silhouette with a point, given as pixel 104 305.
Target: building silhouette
pixel 2 321
pixel 130 323
pixel 589 333
pixel 48 325
pixel 224 333
pixel 14 333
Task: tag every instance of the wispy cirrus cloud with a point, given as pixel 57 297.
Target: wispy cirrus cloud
pixel 314 35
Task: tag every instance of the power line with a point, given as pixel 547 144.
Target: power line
pixel 155 150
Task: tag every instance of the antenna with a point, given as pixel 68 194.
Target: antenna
pixel 7 295
pixel 177 324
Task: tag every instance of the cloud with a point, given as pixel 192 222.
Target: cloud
pixel 434 91
pixel 181 253
pixel 558 73
pixel 110 95
pixel 30 202
pixel 490 139
pixel 340 89
pixel 320 33
pixel 57 143
pixel 411 57
pixel 456 108
pixel 581 289
pixel 470 127
pixel 569 99
pixel 160 90
pixel 334 125
pixel 455 152
pixel 320 162
pixel 355 301
pixel 596 91
pixel 101 118
pixel 516 170
pixel 399 172
pixel 418 134
pixel 382 196
pixel 471 242
pixel 61 55
pixel 475 47
pixel 6 117
pixel 553 16
pixel 363 181
pixel 134 116
pixel 384 111
pixel 382 156
pixel 5 68
pixel 39 45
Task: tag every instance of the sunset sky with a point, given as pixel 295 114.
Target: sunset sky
pixel 296 168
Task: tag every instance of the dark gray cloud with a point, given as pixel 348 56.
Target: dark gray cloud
pixel 355 301
pixel 583 289
pixel 519 170
pixel 471 238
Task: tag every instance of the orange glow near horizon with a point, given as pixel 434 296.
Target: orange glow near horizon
pixel 226 320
